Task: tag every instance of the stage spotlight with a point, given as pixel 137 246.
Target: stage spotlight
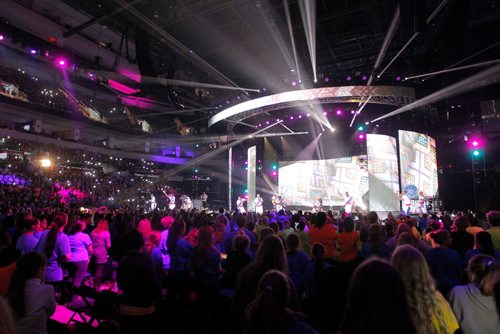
pixel 475 143
pixel 361 136
pixel 348 78
pixel 291 117
pixel 327 79
pixel 267 123
pixel 45 163
pixel 308 115
pixel 33 51
pixel 315 80
pixel 352 112
pixel 274 174
pixel 398 78
pixel 294 83
pixel 274 166
pixel 364 77
pixel 300 116
pixel 324 113
pixel 339 112
pixel 1 37
pixel 332 129
pixel 61 62
pixel 361 128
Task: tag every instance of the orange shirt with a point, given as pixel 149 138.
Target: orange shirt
pixel 348 245
pixel 325 235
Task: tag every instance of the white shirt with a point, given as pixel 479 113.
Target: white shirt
pixel 40 306
pixel 257 201
pixel 406 200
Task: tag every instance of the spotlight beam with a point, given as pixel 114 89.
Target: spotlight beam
pixel 415 35
pixel 292 39
pixel 485 63
pixel 308 14
pixel 469 57
pixel 359 110
pixel 481 79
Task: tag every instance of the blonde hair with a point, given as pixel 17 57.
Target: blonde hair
pixel 420 289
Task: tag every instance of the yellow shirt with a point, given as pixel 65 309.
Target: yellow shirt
pixel 450 322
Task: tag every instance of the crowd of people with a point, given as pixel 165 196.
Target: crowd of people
pixel 279 272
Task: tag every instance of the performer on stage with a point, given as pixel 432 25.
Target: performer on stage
pixel 278 203
pixel 240 204
pixel 318 205
pixel 348 202
pixel 186 203
pixel 171 200
pixel 258 203
pixel 204 199
pixel 153 202
pixel 406 203
pixel 421 202
pixel 273 201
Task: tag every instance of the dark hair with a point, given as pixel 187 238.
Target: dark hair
pixel 292 242
pixel 484 243
pixel 440 236
pixel 50 243
pixel 486 269
pixel 461 223
pixel 372 217
pixel 267 313
pixel 75 228
pixel 320 219
pixel 241 242
pixel 5 239
pixel 28 266
pixel 274 226
pixel 318 253
pixel 377 301
pixel 134 240
pixel 376 237
pixel 493 217
pixel 30 223
pixel 348 223
pixel 174 232
pixel 205 242
pixel 265 232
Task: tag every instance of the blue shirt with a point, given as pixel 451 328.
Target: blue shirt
pixel 446 266
pixel 228 239
pixel 180 258
pixel 26 243
pixel 367 251
pixel 311 279
pixel 79 242
pixel 53 272
pixel 208 269
pixel 297 264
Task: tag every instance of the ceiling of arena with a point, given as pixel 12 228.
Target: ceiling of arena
pixel 246 43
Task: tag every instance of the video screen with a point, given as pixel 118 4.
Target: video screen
pixel 418 164
pixel 384 172
pixel 301 183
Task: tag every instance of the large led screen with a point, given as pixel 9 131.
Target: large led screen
pixel 302 182
pixel 417 159
pixel 383 172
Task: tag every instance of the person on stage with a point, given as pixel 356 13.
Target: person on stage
pixel 406 201
pixel 153 202
pixel 273 201
pixel 186 203
pixel 421 203
pixel 318 205
pixel 204 199
pixel 278 203
pixel 240 204
pixel 258 202
pixel 171 200
pixel 348 202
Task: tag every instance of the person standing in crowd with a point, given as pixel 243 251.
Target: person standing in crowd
pixel 462 241
pixel 101 243
pixel 375 244
pixel 27 241
pixel 54 244
pixel 474 303
pixel 348 241
pixel 136 279
pixel 377 301
pixel 482 245
pixel 325 234
pixel 493 218
pixel 268 313
pixel 180 252
pixel 8 257
pixel 297 262
pixel 314 270
pixel 425 302
pixel 32 301
pixel 81 250
pixel 445 263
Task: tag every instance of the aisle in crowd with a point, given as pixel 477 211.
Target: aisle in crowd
pixel 203 271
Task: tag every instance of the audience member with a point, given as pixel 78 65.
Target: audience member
pixel 324 233
pixel 297 262
pixel 461 240
pixel 8 257
pixel 493 218
pixel 81 249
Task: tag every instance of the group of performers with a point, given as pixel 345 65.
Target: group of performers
pixel 407 203
pixel 185 201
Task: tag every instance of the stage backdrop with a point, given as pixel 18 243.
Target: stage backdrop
pixel 383 172
pixel 302 182
pixel 252 167
pixel 417 160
